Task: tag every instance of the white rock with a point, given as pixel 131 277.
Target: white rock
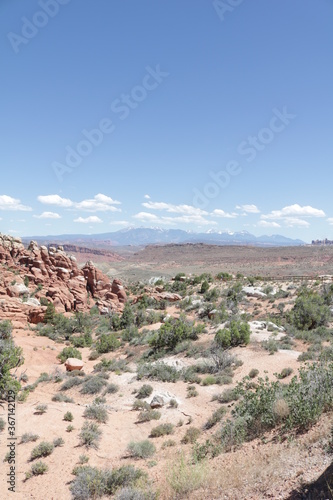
pixel 252 291
pixel 33 302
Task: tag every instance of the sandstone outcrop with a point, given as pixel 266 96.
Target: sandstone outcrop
pixel 37 273
pixel 73 364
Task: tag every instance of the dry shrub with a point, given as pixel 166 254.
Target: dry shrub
pixel 281 409
pixel 184 477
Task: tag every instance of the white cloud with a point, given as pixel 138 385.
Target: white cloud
pixel 48 215
pixel 181 219
pixel 294 221
pixel 330 221
pixel 55 199
pixel 177 209
pixel 250 209
pixel 93 219
pixel 9 203
pixel 99 203
pixel 147 197
pixel 147 217
pixel 294 211
pixel 265 223
pixel 221 213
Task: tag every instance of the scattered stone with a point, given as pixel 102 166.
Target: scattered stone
pixel 157 402
pixel 73 364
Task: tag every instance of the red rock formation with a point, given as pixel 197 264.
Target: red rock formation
pixel 26 275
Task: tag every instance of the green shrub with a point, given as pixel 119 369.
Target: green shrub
pixel 27 437
pixel 253 373
pixel 191 391
pixel 112 365
pixel 185 477
pixel 224 276
pixel 2 424
pixel 49 313
pixel 70 428
pixel 44 377
pixel 58 442
pixel 83 459
pixel 39 468
pixel 224 379
pixel 202 451
pixel 24 377
pixel 90 435
pixel 93 355
pixel 43 449
pixel 227 396
pixel 96 412
pixel 141 449
pixel 132 331
pixel 173 403
pixel 82 340
pixel 68 417
pixel 62 398
pixel 189 375
pixel 285 372
pixel 204 287
pixel 147 415
pixel 107 343
pixel 270 345
pixel 296 405
pixel 144 391
pixel 238 333
pixel 71 382
pixel 103 375
pixel 309 311
pixel 10 357
pixel 168 443
pixel 69 352
pixel 91 482
pixel 111 389
pixel 209 380
pixel 158 371
pixel 40 409
pixel 233 433
pixel 93 385
pixel 23 394
pixel 191 435
pixel 127 317
pixel 215 418
pixel 162 430
pixel 140 405
pixel 174 331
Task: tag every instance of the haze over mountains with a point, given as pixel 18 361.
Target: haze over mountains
pixel 148 236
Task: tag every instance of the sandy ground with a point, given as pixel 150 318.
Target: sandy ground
pixel 122 427
pixel 259 470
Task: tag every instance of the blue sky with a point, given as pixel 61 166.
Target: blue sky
pixel 198 114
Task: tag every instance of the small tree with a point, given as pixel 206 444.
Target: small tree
pixel 238 333
pixel 309 311
pixel 127 317
pixel 10 357
pixel 49 313
pixel 69 352
pixel 107 343
pixel 204 287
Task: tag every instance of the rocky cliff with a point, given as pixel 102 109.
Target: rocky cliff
pixel 30 276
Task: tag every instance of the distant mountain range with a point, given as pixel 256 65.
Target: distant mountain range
pixel 156 236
